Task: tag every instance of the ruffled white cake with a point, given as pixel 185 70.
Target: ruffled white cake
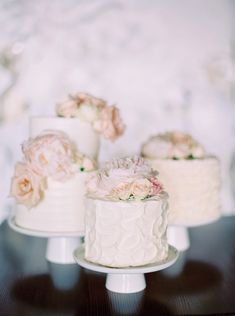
pixel 61 210
pixel 126 217
pixel 191 178
pixel 49 184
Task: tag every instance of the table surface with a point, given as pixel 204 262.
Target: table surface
pixel 202 282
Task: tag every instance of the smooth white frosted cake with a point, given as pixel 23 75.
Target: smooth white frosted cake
pixel 126 218
pixel 191 178
pixel 83 118
pixel 49 184
pixel 81 133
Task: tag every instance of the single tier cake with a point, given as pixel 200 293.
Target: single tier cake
pixel 49 184
pixel 84 118
pixel 126 217
pixel 191 178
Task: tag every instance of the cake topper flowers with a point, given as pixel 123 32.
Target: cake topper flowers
pixel 172 145
pixel 125 179
pixel 51 154
pixel 105 119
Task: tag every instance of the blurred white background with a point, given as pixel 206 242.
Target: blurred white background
pixel 166 64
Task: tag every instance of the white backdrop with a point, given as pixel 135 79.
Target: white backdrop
pixel 166 64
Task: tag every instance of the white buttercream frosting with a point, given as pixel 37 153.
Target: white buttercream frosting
pixel 122 234
pixel 82 134
pixel 62 208
pixel 172 145
pixel 193 187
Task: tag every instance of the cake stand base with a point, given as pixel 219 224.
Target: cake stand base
pixel 125 283
pixel 126 280
pixel 60 245
pixel 178 237
pixel 60 249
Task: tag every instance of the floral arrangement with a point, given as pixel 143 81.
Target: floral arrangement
pixel 125 179
pixel 51 154
pixel 105 119
pixel 172 145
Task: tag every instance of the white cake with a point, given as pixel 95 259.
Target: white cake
pixel 49 184
pixel 124 234
pixel 189 175
pixel 126 218
pixel 193 187
pixel 80 132
pixel 62 208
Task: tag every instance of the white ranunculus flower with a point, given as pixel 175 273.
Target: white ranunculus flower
pixel 87 112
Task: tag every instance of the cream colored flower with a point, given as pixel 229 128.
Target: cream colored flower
pixel 141 188
pixel 172 145
pixel 110 124
pixel 122 192
pixel 82 105
pixel 26 185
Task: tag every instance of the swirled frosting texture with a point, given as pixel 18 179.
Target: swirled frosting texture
pixel 124 234
pixel 193 187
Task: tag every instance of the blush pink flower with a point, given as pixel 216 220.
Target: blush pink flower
pixel 85 162
pixel 26 185
pixel 71 106
pixel 122 191
pixel 110 124
pixel 156 186
pixel 51 154
pixel 66 109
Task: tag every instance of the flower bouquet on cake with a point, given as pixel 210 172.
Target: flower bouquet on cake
pixel 126 216
pixel 49 184
pixel 190 176
pixel 84 118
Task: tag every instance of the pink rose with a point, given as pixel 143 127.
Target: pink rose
pixel 70 107
pixel 51 154
pixel 110 123
pixel 67 108
pixel 141 188
pixel 156 186
pixel 26 185
pixel 85 98
pixel 123 192
pixel 85 162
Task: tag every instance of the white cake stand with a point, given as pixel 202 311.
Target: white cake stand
pixel 125 280
pixel 60 245
pixel 178 236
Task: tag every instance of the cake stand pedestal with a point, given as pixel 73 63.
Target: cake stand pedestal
pixel 178 235
pixel 60 246
pixel 125 280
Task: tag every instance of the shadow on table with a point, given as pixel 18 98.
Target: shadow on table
pixel 39 292
pixel 195 277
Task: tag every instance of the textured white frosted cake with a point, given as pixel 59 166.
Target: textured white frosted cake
pixel 126 218
pixel 123 234
pixel 49 184
pixel 80 132
pixel 193 187
pixel 61 210
pixel 191 178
